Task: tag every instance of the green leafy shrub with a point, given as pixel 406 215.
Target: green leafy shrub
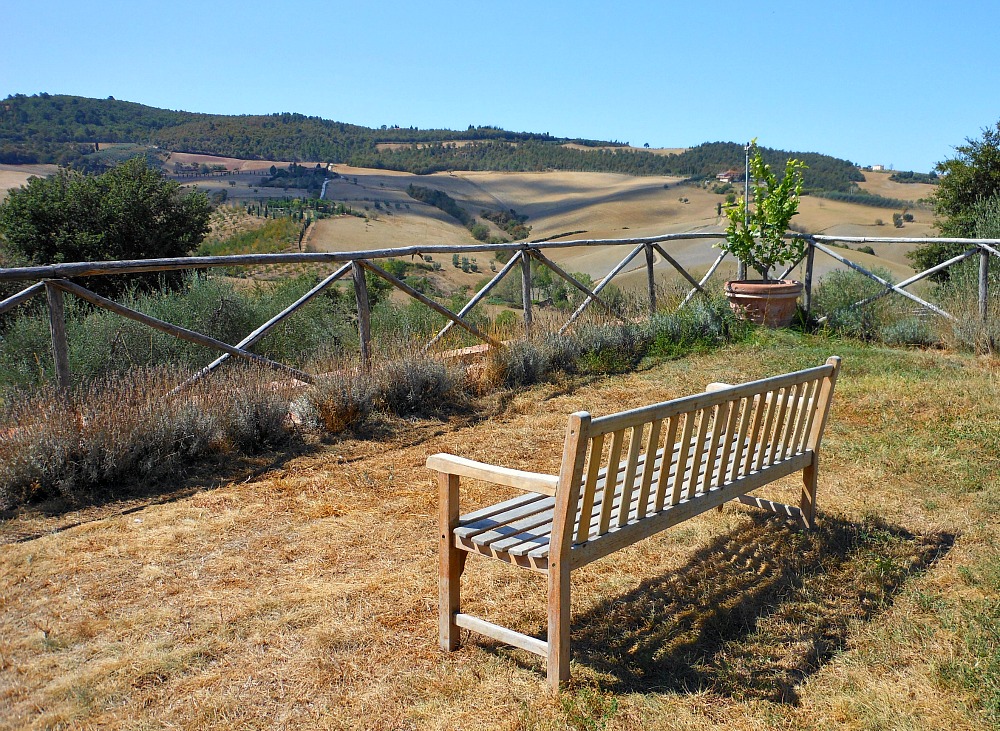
pixel 705 321
pixel 257 414
pixel 562 352
pixel 841 289
pixel 909 331
pixel 129 212
pixel 116 428
pixel 522 363
pixel 757 237
pixel 613 348
pixel 103 344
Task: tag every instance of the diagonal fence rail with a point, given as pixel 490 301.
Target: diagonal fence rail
pixel 56 280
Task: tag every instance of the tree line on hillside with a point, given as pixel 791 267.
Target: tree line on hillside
pixel 298 176
pixel 823 173
pixel 47 128
pixel 440 200
pixel 505 156
pixel 50 128
pixel 911 177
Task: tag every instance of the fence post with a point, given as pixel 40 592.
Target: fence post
pixel 57 327
pixel 526 290
pixel 810 256
pixel 984 278
pixel 650 280
pixel 364 314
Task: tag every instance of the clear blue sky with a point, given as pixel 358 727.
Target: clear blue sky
pixel 873 81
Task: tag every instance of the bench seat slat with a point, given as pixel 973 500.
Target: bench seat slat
pixel 470 528
pixel 525 530
pixel 500 507
pixel 513 535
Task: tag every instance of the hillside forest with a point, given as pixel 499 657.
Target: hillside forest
pixel 69 130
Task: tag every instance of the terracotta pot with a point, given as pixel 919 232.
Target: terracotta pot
pixel 765 303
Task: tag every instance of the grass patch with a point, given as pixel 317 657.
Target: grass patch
pixel 103 345
pixel 774 607
pixel 314 584
pixel 273 237
pixel 896 321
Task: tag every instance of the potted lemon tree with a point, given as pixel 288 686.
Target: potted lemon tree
pixel 756 237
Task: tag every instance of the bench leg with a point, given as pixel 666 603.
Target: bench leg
pixel 557 661
pixel 452 561
pixel 808 502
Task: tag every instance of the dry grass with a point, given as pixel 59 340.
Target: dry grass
pixel 306 598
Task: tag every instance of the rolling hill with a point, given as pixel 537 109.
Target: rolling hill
pixel 47 128
pixel 566 188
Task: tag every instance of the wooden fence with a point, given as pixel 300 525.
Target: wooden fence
pixel 57 279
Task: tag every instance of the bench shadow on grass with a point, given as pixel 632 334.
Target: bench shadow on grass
pixel 753 613
pixel 756 611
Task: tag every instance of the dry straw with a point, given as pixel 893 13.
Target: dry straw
pixel 307 598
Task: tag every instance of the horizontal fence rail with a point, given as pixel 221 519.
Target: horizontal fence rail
pixel 56 279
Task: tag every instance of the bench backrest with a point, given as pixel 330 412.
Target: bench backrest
pixel 706 441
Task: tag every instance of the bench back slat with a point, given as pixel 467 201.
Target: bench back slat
pixel 779 423
pixel 590 486
pixel 727 443
pixel 614 459
pixel 755 429
pixel 788 424
pixel 770 405
pixel 663 479
pixel 684 451
pixel 697 460
pixel 802 418
pixel 745 407
pixel 677 451
pixel 631 466
pixel 652 446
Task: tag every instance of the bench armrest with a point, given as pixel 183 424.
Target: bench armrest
pixel 528 481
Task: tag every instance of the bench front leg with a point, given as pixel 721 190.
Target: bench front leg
pixel 807 504
pixel 451 561
pixel 557 660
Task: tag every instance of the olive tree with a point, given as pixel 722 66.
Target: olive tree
pixel 965 182
pixel 128 212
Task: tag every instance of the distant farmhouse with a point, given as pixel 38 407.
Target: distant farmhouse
pixel 730 176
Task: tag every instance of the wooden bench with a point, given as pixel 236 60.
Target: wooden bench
pixel 668 462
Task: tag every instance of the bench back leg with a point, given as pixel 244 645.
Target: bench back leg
pixel 451 561
pixel 557 661
pixel 807 504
